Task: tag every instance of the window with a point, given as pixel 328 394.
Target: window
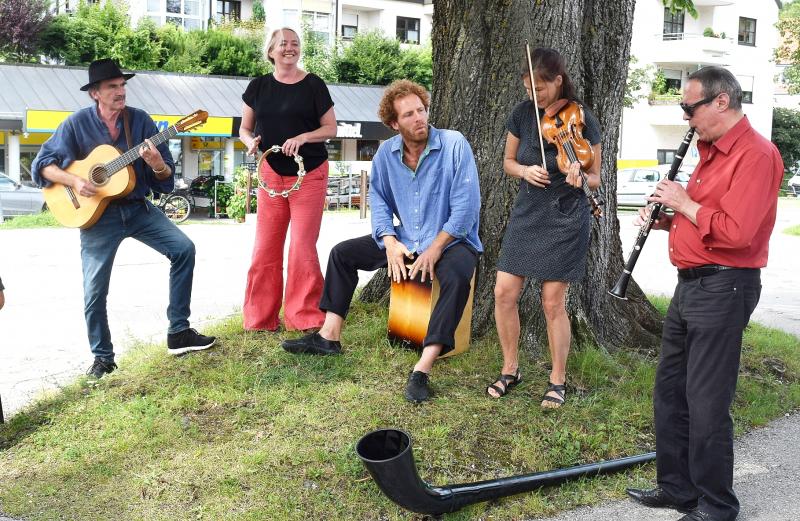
pixel 349 32
pixel 645 176
pixel 366 149
pixel 665 156
pixel 334 148
pixel 229 9
pixel 173 6
pixel 746 82
pixel 318 24
pixel 191 7
pixel 673 79
pixel 154 6
pixel 408 29
pixel 747 31
pixel 673 25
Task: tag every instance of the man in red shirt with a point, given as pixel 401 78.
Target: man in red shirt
pixel 718 240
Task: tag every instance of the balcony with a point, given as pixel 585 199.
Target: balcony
pixel 665 111
pixel 671 50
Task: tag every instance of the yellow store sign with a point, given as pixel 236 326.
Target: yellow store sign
pixel 49 120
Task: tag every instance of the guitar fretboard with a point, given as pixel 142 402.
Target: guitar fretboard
pixel 133 154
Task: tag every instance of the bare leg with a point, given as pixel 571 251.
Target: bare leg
pixel 332 327
pixel 507 289
pixel 429 355
pixel 558 331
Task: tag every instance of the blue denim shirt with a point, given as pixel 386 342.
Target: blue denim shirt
pixel 83 130
pixel 442 195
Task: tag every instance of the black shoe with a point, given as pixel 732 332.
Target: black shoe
pixel 698 515
pixel 417 389
pixel 188 340
pixel 657 498
pixel 101 368
pixel 312 344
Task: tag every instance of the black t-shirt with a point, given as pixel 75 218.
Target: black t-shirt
pixel 285 110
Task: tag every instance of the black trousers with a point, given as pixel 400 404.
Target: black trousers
pixel 695 385
pixel 453 271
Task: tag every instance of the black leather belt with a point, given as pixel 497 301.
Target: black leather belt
pixel 702 271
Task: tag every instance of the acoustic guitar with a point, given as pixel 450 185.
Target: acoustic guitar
pixel 111 173
pixel 411 303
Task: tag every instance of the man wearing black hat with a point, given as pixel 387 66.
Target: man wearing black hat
pixel 132 216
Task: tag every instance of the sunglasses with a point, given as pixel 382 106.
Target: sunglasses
pixel 689 109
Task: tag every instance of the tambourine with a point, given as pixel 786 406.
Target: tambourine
pixel 301 173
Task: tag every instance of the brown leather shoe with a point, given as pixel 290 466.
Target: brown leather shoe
pixel 657 498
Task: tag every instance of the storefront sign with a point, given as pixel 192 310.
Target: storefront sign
pixel 348 130
pixel 48 121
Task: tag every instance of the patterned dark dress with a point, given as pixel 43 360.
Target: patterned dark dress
pixel 547 236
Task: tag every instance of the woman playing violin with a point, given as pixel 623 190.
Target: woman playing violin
pixel 548 234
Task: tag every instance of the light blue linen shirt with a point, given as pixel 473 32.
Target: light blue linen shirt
pixel 442 195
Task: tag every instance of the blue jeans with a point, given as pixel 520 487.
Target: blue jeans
pixel 99 244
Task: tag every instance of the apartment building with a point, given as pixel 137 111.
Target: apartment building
pixel 737 34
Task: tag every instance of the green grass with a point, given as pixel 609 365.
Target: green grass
pixel 247 431
pixel 40 220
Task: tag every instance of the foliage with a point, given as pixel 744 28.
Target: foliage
pixel 659 83
pixel 789 51
pixel 792 230
pixel 374 59
pixel 21 22
pixel 237 204
pixel 786 136
pixel 99 31
pixel 248 431
pixel 681 5
pixel 317 57
pixel 638 77
pixel 258 12
pixel 39 220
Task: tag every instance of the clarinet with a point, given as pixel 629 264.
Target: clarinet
pixel 621 287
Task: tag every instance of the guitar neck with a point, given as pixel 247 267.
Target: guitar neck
pixel 133 154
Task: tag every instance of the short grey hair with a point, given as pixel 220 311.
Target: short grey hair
pixel 716 80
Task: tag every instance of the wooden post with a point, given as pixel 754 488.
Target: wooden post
pixel 362 210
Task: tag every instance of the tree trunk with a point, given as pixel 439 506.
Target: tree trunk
pixel 478 57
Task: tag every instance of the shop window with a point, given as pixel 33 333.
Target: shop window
pixel 673 25
pixel 665 156
pixel 334 147
pixel 229 9
pixel 407 29
pixel 366 149
pixel 747 31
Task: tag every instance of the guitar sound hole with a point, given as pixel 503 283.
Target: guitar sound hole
pixel 98 176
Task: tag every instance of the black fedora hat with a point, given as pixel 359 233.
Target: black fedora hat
pixel 105 69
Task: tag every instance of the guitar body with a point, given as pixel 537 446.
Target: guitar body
pixel 411 303
pixel 75 211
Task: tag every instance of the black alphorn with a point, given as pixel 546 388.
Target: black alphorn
pixel 621 287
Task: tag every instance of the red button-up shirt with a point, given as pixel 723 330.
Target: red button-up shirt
pixel 736 182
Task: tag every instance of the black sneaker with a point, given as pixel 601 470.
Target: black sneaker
pixel 188 340
pixel 417 389
pixel 312 344
pixel 101 368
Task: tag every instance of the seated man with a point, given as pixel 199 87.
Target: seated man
pixel 427 178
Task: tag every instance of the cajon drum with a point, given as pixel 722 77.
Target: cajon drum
pixel 410 305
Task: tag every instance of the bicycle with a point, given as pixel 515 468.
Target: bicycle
pixel 176 206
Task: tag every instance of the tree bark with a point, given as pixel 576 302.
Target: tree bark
pixel 478 57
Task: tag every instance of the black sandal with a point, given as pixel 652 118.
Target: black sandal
pixel 509 381
pixel 560 390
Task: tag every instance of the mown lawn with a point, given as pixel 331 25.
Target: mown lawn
pixel 247 431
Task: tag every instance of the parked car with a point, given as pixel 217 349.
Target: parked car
pixel 18 199
pixel 794 184
pixel 634 185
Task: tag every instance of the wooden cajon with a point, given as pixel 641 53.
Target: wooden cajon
pixel 410 305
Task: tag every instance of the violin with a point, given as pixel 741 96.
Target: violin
pixel 562 125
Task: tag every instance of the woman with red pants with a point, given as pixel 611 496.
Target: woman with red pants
pixel 294 110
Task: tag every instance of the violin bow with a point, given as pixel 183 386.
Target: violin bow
pixel 535 103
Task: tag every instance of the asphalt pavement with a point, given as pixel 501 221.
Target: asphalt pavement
pixel 43 334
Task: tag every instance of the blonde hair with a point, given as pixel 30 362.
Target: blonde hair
pixel 273 41
pixel 400 89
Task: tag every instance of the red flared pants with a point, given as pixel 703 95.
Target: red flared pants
pixel 264 293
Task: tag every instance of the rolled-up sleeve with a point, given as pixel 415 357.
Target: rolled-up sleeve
pixel 379 197
pixel 58 150
pixel 465 195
